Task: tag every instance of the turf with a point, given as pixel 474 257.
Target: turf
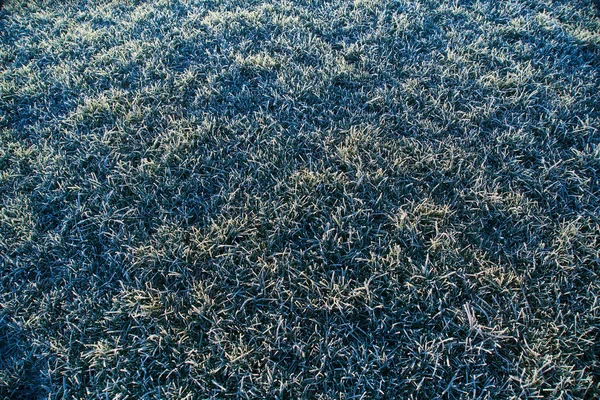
pixel 300 199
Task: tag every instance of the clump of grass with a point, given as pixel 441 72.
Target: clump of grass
pixel 369 199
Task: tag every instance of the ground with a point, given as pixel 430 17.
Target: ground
pixel 299 199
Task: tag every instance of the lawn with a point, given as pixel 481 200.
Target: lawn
pixel 299 199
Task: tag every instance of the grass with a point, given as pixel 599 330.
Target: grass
pixel 300 199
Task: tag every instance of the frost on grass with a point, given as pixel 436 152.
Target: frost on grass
pixel 323 199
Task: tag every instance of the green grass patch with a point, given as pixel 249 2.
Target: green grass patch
pixel 300 199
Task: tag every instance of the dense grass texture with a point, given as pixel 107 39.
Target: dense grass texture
pixel 299 199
